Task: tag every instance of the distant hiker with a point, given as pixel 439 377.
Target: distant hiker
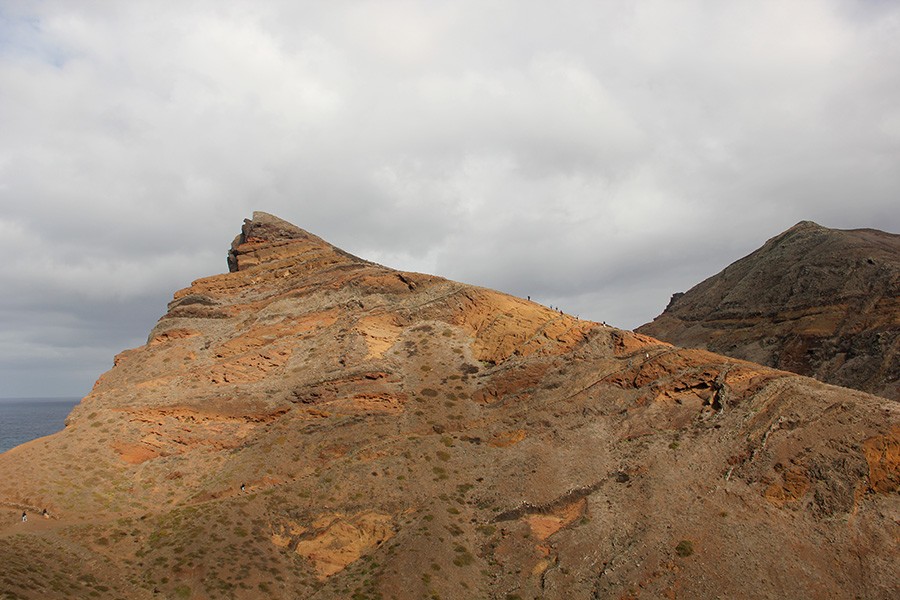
pixel 243 487
pixel 45 514
pixel 24 516
pixel 529 298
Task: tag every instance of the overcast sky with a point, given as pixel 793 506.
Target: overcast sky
pixel 598 156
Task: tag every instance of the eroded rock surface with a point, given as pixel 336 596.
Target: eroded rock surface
pixel 313 425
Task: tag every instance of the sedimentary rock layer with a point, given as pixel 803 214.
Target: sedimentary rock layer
pixel 313 425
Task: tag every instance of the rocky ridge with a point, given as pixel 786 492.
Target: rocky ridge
pixel 815 301
pixel 314 425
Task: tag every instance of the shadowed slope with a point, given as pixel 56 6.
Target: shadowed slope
pixel 816 301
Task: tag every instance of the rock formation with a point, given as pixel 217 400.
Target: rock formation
pixel 815 301
pixel 312 425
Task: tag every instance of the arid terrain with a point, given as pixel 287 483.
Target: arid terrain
pixel 313 425
pixel 815 301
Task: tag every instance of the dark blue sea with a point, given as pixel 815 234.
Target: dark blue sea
pixel 24 419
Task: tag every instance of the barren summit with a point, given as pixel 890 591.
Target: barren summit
pixel 816 301
pixel 265 237
pixel 313 425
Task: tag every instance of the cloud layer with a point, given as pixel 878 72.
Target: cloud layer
pixel 597 156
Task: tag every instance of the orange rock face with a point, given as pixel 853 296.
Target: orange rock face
pixel 313 425
pixel 883 457
pixel 339 540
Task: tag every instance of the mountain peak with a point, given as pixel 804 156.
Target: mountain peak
pixel 816 301
pixel 806 226
pixel 268 227
pixel 265 238
pixel 330 424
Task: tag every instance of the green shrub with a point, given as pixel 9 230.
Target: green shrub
pixel 684 548
pixel 183 591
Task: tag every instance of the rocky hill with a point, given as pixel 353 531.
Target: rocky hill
pixel 312 425
pixel 816 301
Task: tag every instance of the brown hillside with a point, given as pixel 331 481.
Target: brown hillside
pixel 403 436
pixel 815 301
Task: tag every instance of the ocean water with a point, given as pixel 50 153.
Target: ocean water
pixel 25 419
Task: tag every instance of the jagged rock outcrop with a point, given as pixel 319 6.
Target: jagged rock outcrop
pixel 815 301
pixel 312 425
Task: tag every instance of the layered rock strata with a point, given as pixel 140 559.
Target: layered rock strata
pixel 312 425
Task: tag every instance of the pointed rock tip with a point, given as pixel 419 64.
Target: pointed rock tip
pixel 265 227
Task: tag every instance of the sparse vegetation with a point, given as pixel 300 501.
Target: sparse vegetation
pixel 463 556
pixel 684 548
pixel 366 462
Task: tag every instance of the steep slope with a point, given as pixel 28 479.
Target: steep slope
pixel 819 302
pixel 312 425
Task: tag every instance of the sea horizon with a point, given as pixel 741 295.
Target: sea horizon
pixel 23 419
pixel 50 398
